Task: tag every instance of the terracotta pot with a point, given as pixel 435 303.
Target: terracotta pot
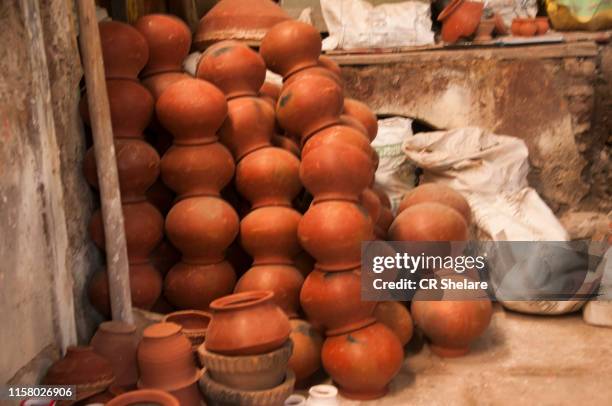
pixel 309 105
pixel 169 40
pixel 191 286
pixel 116 341
pixel 248 373
pixel 189 395
pixel 255 182
pixel 313 71
pixel 370 201
pixel 339 135
pixel 287 144
pixel 485 29
pixel 155 396
pixel 160 196
pixel 124 50
pixel 328 63
pixel 269 235
pixel 395 316
pixel 333 300
pixel 291 46
pixel 332 233
pixel 164 257
pixel 452 325
pixel 234 68
pixel 516 26
pixel 246 323
pixel 528 28
pixel 429 222
pixel 460 19
pixel 307 343
pixel 249 126
pixel 270 92
pixel 304 262
pixel 202 228
pixel 437 193
pixel 543 26
pixel 159 82
pixel 362 113
pixel 197 170
pixel 165 358
pixel 194 324
pixel 192 110
pixel 363 362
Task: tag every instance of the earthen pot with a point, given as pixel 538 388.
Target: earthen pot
pixel 192 286
pixel 116 341
pixel 165 358
pixel 124 50
pixel 164 256
pixel 291 46
pixel 515 28
pixel 382 195
pixel 329 64
pixel 309 105
pixel 194 324
pixel 268 177
pixel 524 27
pixel 286 143
pixel 437 193
pixel 197 170
pixel 460 19
pixel 270 92
pixel 363 362
pixel 333 300
pixel 332 232
pixel 543 26
pixel 429 222
pixel 159 82
pixel 249 126
pixel 234 68
pixel 340 135
pixel 370 201
pixel 307 343
pixel 350 166
pixel 314 71
pixel 202 228
pixel 395 316
pixel 352 122
pixel 192 110
pixel 154 396
pixel 363 114
pixel 452 325
pixel 169 40
pixel 269 235
pixel 246 323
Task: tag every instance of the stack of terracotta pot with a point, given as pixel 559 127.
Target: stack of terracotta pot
pixel 125 53
pixel 246 351
pixel 361 355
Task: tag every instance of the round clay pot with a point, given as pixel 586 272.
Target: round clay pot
pixel 116 341
pixel 234 68
pixel 291 46
pixel 194 324
pixel 202 228
pixel 528 28
pixel 329 64
pixel 269 235
pixel 333 300
pixel 460 19
pixel 515 28
pixel 370 201
pixel 247 323
pixel 197 170
pixel 339 135
pixel 287 144
pixel 351 169
pixel 307 343
pixel 248 373
pixel 165 358
pixel 437 193
pixel 452 325
pixel 249 126
pixel 543 26
pixel 429 222
pixel 268 177
pixel 191 286
pixel 159 82
pixel 395 316
pixel 314 71
pixel 136 397
pixel 309 105
pixel 363 362
pixel 362 113
pixel 382 195
pixel 192 110
pixel 332 232
pixel 270 92
pixel 124 50
pixel 169 40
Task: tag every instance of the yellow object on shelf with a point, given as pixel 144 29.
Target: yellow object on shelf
pixel 590 15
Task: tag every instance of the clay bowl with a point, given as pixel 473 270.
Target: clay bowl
pixel 248 373
pixel 117 342
pixel 124 50
pixel 154 396
pixel 246 323
pixel 194 323
pixel 362 113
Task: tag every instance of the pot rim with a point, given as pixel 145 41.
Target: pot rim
pixel 448 10
pixel 162 330
pixel 198 314
pixel 241 300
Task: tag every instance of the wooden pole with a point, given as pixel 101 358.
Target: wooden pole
pixel 108 180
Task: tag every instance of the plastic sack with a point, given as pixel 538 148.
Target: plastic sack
pixel 591 15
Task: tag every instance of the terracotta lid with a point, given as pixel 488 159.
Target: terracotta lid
pixel 241 20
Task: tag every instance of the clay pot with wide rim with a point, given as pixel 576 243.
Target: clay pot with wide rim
pixel 460 19
pixel 124 50
pixel 437 193
pixel 309 105
pixel 116 341
pixel 194 324
pixel 429 222
pixel 329 64
pixel 362 362
pixel 340 135
pixel 193 286
pixel 395 316
pixel 307 343
pixel 333 300
pixel 169 40
pixel 159 82
pixel 155 396
pixel 268 177
pixel 332 232
pixel 362 113
pixel 234 68
pixel 247 323
pixel 192 110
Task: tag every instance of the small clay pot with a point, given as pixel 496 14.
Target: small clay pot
pixel 270 92
pixel 124 50
pixel 436 193
pixel 460 19
pixel 291 46
pixel 154 396
pixel 192 110
pixel 362 113
pixel 234 68
pixel 247 323
pixel 329 64
pixel 255 182
pixel 340 135
pixel 159 82
pixel 307 342
pixel 395 316
pixel 250 372
pixel 286 143
pixel 429 222
pixel 485 29
pixel 370 201
pixel 528 28
pixel 363 362
pixel 543 26
pixel 116 341
pixel 169 40
pixel 194 324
